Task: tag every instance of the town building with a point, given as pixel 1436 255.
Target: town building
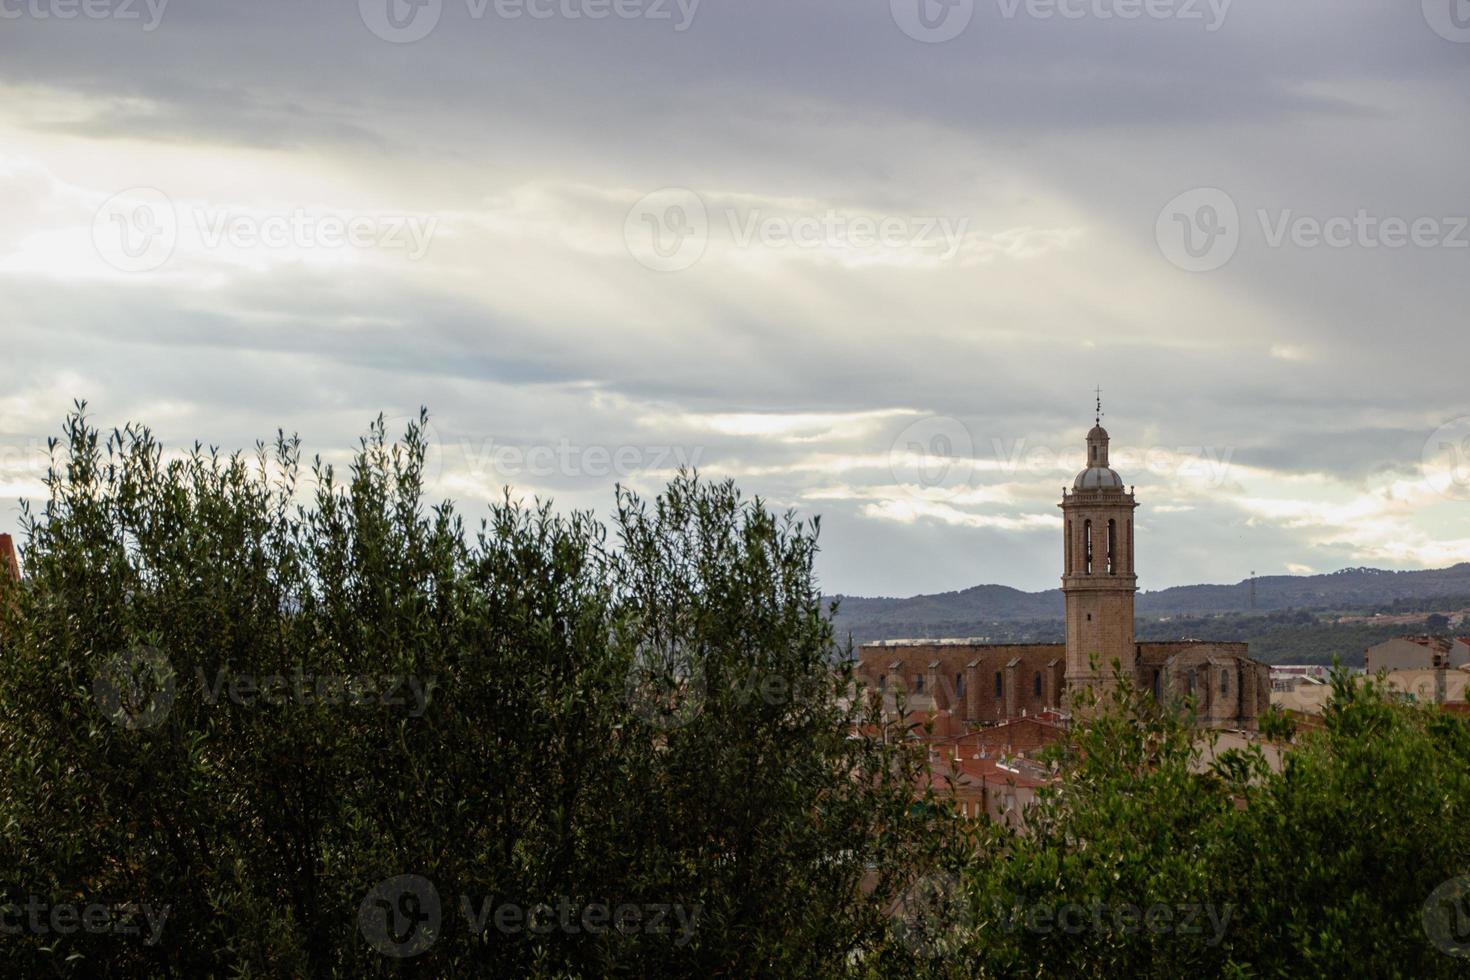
pixel 9 562
pixel 1417 653
pixel 984 683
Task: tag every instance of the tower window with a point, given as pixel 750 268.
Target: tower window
pixel 882 682
pixel 1112 547
pixel 1191 682
pixel 1036 684
pixel 1224 682
pixel 1087 544
pixel 1157 684
pixel 1069 547
pixel 918 683
pixel 1000 686
pixel 959 685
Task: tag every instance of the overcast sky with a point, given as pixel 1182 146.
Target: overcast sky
pixel 868 257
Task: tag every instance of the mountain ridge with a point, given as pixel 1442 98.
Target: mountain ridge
pixel 968 612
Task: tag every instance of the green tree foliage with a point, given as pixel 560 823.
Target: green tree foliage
pixel 1161 855
pixel 553 716
pixel 549 714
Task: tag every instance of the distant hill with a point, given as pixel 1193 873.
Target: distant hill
pixel 1002 613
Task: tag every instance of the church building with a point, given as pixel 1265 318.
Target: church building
pixel 985 683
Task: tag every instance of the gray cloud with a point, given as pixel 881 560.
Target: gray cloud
pixel 528 323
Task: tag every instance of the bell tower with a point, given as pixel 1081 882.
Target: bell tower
pixel 1098 579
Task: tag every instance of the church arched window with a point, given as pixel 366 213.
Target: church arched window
pixel 1036 684
pixel 1112 547
pixel 1087 544
pixel 1224 682
pixel 1000 685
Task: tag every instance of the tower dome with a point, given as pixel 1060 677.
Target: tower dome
pixel 1098 475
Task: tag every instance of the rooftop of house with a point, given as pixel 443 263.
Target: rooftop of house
pixel 997 771
pixel 9 560
pixel 1439 644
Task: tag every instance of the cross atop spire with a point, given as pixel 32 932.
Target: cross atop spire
pixel 1099 405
